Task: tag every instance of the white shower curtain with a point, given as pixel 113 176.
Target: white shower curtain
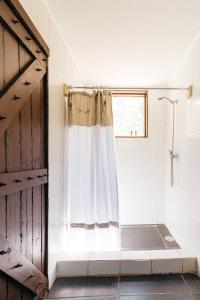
pixel 92 181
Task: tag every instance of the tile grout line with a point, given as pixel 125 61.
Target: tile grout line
pixel 88 262
pixel 161 237
pixel 118 287
pixel 190 291
pixel 182 258
pixel 151 262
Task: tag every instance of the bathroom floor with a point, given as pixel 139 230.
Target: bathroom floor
pixel 154 287
pixel 147 237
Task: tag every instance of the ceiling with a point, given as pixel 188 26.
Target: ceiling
pixel 127 42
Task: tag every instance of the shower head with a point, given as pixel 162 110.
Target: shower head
pixel 167 99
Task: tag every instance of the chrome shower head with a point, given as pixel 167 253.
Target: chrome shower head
pixel 168 99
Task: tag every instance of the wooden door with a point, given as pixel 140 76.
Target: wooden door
pixel 23 156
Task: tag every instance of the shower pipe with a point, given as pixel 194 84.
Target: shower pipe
pixel 171 151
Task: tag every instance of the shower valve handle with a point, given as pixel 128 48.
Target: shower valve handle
pixel 172 155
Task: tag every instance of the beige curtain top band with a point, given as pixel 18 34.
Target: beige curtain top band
pixel 86 109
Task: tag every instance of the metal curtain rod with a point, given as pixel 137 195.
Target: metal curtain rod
pixel 189 88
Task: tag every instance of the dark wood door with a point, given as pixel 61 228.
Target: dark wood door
pixel 23 156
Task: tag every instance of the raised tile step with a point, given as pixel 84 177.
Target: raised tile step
pixel 126 263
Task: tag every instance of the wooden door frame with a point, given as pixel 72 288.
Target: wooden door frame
pixel 14 16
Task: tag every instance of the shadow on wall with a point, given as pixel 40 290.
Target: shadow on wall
pixel 56 174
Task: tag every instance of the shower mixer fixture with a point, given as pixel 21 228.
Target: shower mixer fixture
pixel 168 99
pixel 171 151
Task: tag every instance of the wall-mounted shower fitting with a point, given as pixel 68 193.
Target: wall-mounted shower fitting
pixel 172 155
pixel 171 151
pixel 168 99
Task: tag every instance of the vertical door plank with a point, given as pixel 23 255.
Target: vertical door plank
pixel 2 199
pixel 3 287
pixel 13 220
pixel 36 127
pixel 14 292
pixel 3 216
pixel 29 225
pixel 1 57
pixel 23 221
pixel 12 143
pixel 43 203
pixel 26 136
pixel 42 118
pixel 27 296
pixel 13 137
pixel 43 214
pixel 13 158
pixel 26 164
pixel 37 227
pixel 2 62
pixel 3 281
pixel 2 155
pixel 13 200
pixel 37 163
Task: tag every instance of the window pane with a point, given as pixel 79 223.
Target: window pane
pixel 129 115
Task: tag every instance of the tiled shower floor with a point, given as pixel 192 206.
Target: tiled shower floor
pixel 154 287
pixel 93 285
pixel 147 237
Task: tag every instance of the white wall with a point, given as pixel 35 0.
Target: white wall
pixel 141 162
pixel 61 69
pixel 183 200
pixel 141 170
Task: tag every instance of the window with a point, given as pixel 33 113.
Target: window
pixel 130 113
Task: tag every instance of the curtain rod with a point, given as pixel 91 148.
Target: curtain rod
pixel 189 88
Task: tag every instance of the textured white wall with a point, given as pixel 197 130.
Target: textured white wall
pixel 183 200
pixel 141 170
pixel 61 69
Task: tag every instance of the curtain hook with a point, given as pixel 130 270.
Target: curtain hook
pixel 66 89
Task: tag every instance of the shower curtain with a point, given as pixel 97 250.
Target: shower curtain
pixel 92 181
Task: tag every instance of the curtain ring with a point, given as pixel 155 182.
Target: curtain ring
pixel 69 89
pixel 69 96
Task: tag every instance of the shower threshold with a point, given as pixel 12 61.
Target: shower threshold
pixel 145 250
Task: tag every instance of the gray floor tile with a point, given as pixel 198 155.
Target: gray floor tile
pixel 163 230
pixel 193 282
pixel 146 237
pixel 178 296
pixel 141 237
pixel 196 296
pixel 152 284
pixel 84 287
